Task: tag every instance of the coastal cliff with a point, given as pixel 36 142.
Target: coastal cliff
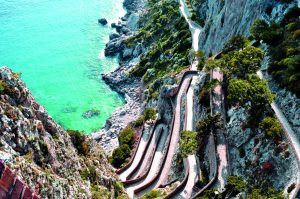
pixel 43 154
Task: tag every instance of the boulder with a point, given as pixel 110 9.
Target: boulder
pixel 102 21
pixel 169 90
pixel 90 113
pixel 138 50
pixel 113 47
pixel 114 36
pixel 127 53
pixel 125 30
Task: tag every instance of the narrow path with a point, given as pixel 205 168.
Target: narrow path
pixel 191 159
pixel 150 152
pixel 137 157
pixel 194 28
pixel 157 160
pixel 175 134
pixel 291 136
pixel 217 106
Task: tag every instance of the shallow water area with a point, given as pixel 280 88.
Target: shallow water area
pixel 58 46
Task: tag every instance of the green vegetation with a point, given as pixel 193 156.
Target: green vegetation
pixel 154 194
pixel 235 185
pixel 150 113
pixel 79 141
pixel 188 144
pixel 204 97
pixel 204 127
pixel 271 127
pixel 240 63
pixel 127 139
pixel 127 136
pixel 3 86
pixel 235 43
pixel 252 89
pixel 139 122
pixel 270 193
pixel 120 155
pixel 201 59
pixel 165 32
pixel 284 41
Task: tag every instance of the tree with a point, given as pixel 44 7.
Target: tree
pixel 188 143
pixel 271 127
pixel 258 28
pixel 237 42
pixel 200 57
pixel 79 141
pixel 253 90
pixel 127 136
pixel 270 34
pixel 150 113
pixel 235 185
pixel 241 63
pixel 119 155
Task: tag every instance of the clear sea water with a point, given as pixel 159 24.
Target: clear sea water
pixel 58 46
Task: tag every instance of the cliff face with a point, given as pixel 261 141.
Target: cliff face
pixel 41 152
pixel 224 19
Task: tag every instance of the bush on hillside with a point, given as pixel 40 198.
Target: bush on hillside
pixel 150 113
pixel 237 42
pixel 188 144
pixel 120 155
pixel 127 136
pixel 271 127
pixel 79 141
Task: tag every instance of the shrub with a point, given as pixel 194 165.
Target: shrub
pixel 241 63
pixel 235 43
pixel 267 167
pixel 154 194
pixel 235 184
pixel 270 126
pixel 79 141
pixel 120 155
pixel 258 29
pixel 253 90
pixel 188 143
pixel 127 136
pixel 3 86
pixel 139 122
pixel 150 113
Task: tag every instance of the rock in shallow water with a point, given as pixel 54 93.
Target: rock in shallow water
pixel 102 21
pixel 90 114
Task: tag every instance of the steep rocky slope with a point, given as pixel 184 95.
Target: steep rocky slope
pixel 224 19
pixel 43 154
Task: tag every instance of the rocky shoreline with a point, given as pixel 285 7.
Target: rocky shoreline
pixel 120 80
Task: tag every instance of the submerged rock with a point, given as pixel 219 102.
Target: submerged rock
pixel 90 113
pixel 102 21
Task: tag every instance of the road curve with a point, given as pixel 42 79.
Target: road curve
pixel 136 157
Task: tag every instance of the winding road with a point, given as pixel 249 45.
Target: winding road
pixel 152 162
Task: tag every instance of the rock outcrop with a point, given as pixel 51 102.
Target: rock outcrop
pixel 224 19
pixel 41 152
pixel 102 21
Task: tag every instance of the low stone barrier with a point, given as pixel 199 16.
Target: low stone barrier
pixel 12 187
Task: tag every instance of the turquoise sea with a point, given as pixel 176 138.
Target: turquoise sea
pixel 58 46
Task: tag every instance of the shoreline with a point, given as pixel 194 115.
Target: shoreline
pixel 119 81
